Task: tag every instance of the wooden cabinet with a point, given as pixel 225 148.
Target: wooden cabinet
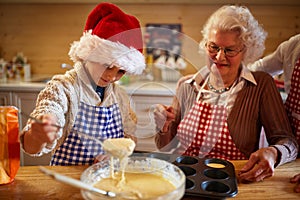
pixel 144 95
pixel 5 98
pixel 25 102
pixel 144 105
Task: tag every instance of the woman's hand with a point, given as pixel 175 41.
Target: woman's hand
pixel 163 116
pixel 296 179
pixel 260 165
pixel 131 137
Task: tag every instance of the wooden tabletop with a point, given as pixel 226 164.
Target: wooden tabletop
pixel 30 183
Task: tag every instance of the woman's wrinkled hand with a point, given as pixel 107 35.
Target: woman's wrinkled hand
pixel 296 179
pixel 260 165
pixel 134 138
pixel 163 116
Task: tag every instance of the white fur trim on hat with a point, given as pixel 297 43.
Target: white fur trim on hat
pixel 95 49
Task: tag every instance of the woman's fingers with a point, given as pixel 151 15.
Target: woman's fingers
pixel 163 115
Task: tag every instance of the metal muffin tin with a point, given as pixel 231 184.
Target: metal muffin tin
pixel 202 180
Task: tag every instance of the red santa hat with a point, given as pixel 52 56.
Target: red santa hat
pixel 111 36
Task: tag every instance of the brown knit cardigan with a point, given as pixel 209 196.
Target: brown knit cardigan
pixel 256 106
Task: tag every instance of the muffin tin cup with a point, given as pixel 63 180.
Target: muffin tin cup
pixel 205 177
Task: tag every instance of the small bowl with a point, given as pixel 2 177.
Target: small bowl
pixel 139 164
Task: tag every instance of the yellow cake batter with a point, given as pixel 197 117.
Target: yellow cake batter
pixel 138 185
pixel 119 147
pixel 215 165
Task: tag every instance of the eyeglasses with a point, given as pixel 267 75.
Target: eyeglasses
pixel 214 49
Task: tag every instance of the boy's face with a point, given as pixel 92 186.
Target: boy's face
pixel 104 74
pixel 111 74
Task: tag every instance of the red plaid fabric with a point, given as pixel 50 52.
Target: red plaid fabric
pixel 204 132
pixel 292 102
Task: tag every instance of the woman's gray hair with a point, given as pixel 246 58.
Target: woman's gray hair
pixel 238 18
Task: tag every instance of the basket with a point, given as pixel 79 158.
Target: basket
pixel 170 75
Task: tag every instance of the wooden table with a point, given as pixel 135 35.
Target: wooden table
pixel 31 184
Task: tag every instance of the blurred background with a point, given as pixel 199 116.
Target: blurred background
pixel 44 29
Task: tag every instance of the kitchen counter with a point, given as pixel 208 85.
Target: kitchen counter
pixel 151 88
pixel 138 87
pixel 19 85
pixel 30 183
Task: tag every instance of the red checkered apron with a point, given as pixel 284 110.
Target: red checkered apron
pixel 204 132
pixel 292 102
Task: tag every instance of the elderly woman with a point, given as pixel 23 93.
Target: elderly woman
pixel 220 112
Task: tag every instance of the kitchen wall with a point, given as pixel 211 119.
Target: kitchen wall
pixel 44 31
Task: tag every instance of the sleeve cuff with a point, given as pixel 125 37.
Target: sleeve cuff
pixel 279 155
pixel 284 155
pixel 47 149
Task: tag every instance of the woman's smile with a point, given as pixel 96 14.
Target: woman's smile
pixel 220 65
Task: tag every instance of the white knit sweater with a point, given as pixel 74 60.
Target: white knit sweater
pixel 62 96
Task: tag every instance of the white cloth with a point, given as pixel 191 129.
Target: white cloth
pixel 282 60
pixel 227 98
